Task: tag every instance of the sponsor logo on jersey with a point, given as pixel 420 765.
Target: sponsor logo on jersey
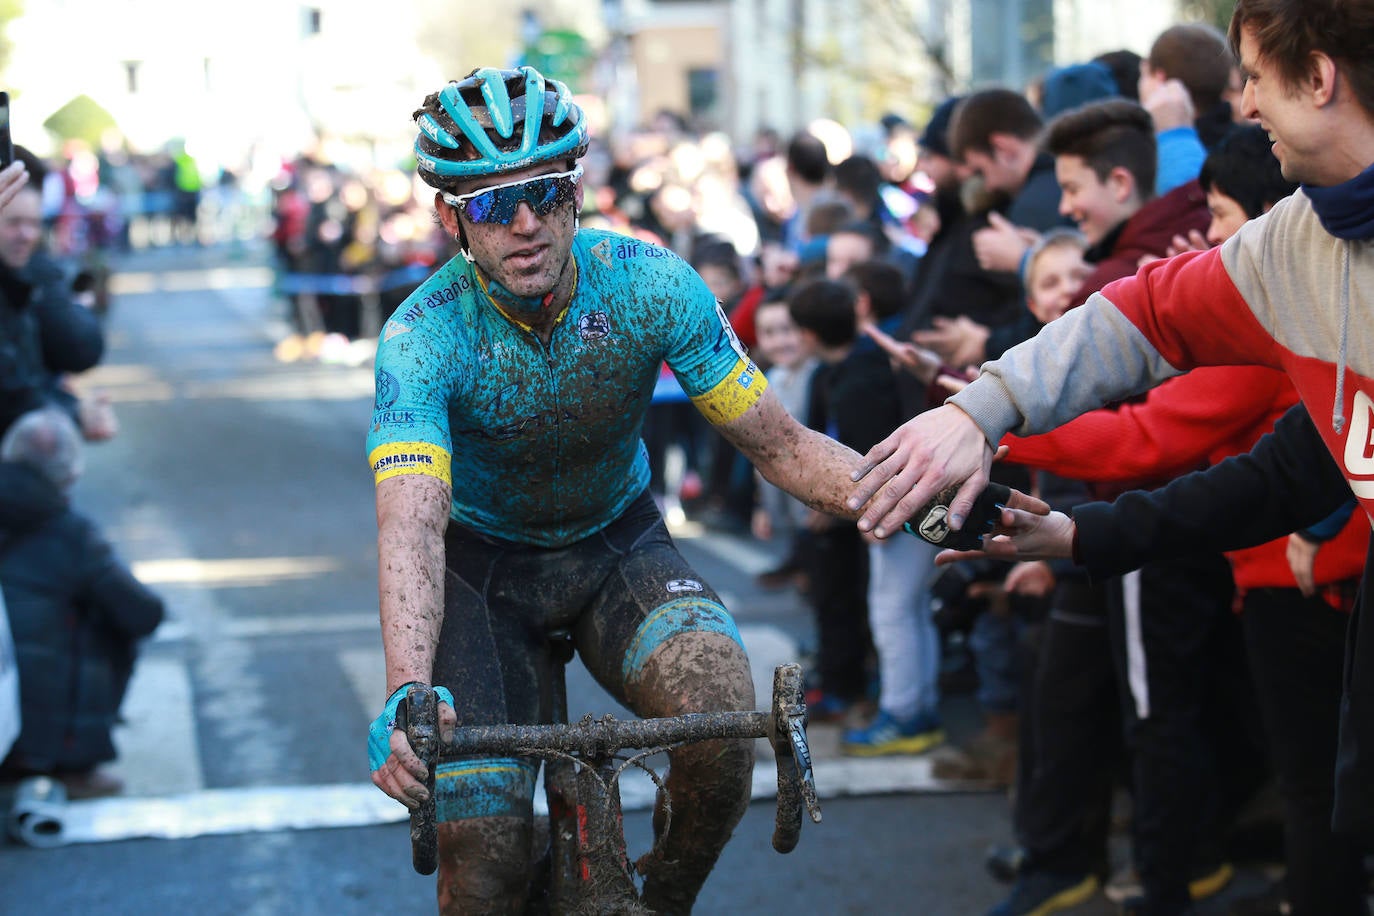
pixel 594 325
pixel 677 586
pixel 633 248
pixel 394 417
pixel 388 390
pixel 393 328
pixel 602 251
pixel 397 458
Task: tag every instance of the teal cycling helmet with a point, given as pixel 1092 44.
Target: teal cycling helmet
pixel 494 122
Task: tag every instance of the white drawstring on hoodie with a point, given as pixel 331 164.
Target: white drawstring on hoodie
pixel 1338 408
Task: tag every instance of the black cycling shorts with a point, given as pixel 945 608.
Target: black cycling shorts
pixel 622 592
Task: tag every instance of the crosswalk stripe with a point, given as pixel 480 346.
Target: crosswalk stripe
pixel 257 809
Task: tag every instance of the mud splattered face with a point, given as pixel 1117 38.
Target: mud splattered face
pixel 528 254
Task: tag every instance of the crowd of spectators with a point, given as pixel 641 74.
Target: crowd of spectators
pixel 870 274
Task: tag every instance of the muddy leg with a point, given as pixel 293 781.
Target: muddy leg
pixel 484 865
pixel 708 783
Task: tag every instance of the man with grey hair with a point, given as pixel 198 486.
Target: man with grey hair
pixel 75 610
pixel 48 441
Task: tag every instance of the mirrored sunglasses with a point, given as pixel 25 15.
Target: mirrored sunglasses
pixel 497 203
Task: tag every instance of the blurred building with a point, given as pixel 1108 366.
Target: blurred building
pixel 251 82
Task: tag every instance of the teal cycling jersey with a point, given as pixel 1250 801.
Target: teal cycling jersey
pixel 541 442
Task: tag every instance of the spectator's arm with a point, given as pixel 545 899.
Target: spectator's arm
pixel 110 590
pixel 1288 481
pixel 1181 155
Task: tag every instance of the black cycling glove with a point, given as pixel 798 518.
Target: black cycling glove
pixel 931 522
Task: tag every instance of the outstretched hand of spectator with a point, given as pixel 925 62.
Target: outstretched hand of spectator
pixel 960 341
pixel 920 362
pixel 1021 536
pixel 13 177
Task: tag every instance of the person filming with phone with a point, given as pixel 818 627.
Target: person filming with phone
pixel 44 333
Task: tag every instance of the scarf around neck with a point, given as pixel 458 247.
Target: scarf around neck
pixel 1346 210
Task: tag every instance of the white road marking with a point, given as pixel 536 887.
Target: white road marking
pixel 250 810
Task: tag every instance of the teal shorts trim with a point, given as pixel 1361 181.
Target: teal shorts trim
pixel 485 787
pixel 683 615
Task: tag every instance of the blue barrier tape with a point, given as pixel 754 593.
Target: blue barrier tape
pixel 353 284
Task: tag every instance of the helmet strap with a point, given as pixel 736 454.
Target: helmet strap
pixel 461 239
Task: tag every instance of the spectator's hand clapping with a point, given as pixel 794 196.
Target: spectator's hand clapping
pixel 1002 245
pixel 1194 241
pixel 1170 105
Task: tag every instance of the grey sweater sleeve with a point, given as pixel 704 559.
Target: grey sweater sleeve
pixel 1091 357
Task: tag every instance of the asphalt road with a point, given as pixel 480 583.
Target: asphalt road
pixel 238 488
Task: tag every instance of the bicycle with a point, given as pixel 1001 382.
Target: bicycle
pixel 586 868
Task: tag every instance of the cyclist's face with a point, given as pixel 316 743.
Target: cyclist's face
pixel 21 228
pixel 527 255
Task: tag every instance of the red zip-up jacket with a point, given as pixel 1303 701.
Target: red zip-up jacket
pixel 1200 418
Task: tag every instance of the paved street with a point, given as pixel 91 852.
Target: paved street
pixel 238 488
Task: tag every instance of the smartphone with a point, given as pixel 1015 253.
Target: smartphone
pixel 6 140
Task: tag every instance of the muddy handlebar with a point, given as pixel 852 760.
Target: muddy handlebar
pixel 784 726
pixel 418 715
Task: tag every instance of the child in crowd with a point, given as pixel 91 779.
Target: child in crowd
pixel 900 569
pixel 1055 271
pixel 852 398
pixel 790 367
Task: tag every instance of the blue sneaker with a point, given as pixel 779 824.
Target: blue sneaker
pixel 889 735
pixel 1039 893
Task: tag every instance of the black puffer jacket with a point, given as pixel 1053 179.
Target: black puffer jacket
pixel 77 613
pixel 43 333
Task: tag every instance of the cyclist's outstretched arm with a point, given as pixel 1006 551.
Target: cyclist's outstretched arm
pixel 808 464
pixel 412 511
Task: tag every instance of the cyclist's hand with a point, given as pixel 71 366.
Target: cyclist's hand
pixel 396 769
